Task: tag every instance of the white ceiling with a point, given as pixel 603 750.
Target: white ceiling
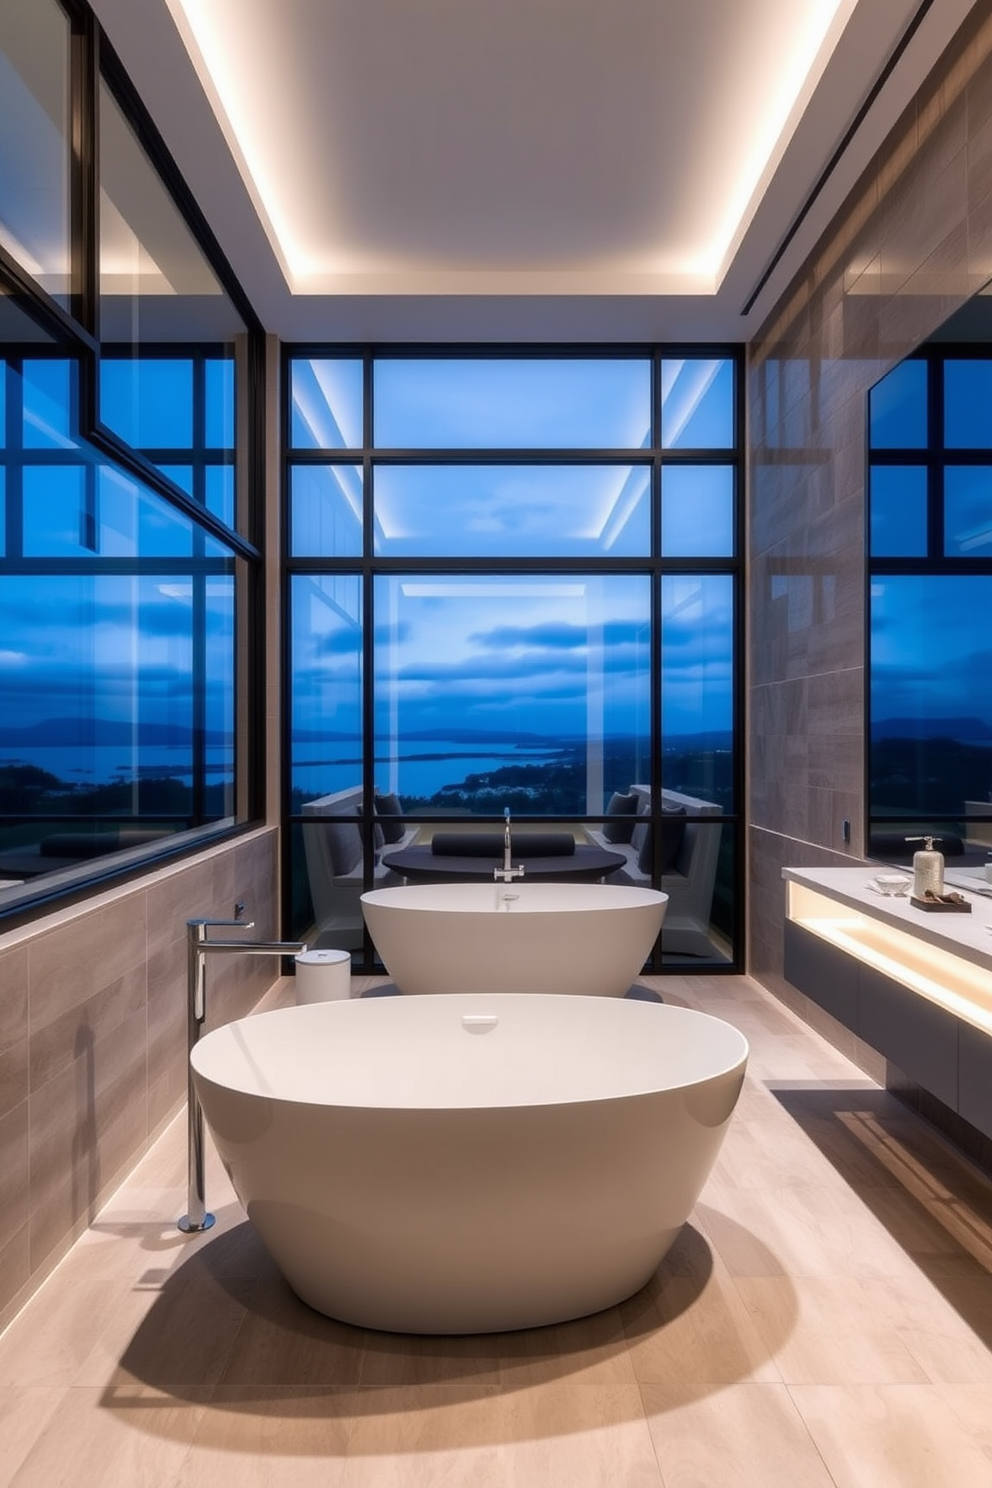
pixel 518 169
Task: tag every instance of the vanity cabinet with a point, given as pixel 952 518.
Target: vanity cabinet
pixel 911 985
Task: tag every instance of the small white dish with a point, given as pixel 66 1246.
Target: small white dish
pixel 890 884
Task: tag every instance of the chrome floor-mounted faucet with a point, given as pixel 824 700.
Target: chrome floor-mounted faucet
pixel 198 947
pixel 507 873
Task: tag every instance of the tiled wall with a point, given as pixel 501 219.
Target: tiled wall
pixel 913 243
pixel 93 1040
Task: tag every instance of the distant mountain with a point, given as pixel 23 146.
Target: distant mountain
pixel 974 730
pixel 86 733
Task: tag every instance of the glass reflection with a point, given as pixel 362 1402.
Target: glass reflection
pixel 697 511
pixel 898 508
pixel 697 685
pixel 35 141
pixel 531 693
pixel 512 510
pixel 532 403
pixel 325 503
pixel 326 403
pixel 697 403
pixel 326 684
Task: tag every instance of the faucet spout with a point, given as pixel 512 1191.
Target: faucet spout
pixel 198 947
pixel 507 873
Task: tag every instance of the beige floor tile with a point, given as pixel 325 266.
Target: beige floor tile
pixel 578 1435
pixel 972 1405
pixel 283 1343
pixel 25 1412
pixel 945 1324
pixel 800 1230
pixel 822 1330
pixel 49 1340
pixel 450 1442
pixel 590 1351
pixel 108 1439
pixel 745 1436
pixel 253 1438
pixel 697 1332
pixel 891 1436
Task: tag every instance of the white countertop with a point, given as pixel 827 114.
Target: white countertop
pixel 964 935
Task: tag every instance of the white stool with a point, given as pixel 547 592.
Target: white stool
pixel 323 976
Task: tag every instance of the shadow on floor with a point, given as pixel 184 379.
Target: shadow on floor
pixel 932 1202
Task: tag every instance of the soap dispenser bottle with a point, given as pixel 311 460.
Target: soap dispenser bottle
pixel 928 868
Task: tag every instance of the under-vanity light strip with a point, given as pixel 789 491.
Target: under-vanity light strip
pixel 974 1006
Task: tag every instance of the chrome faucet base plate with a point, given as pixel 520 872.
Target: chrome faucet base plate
pixel 188 1228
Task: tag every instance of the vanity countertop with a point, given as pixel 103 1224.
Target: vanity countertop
pixel 967 936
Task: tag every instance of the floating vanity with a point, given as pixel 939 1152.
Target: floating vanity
pixel 915 985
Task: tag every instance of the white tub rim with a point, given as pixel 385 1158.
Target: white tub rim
pixel 201 1055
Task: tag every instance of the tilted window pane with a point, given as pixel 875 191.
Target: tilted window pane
pixel 897 408
pixel 508 511
pixel 325 685
pixel 495 691
pixel 697 403
pixel 898 511
pixel 326 403
pixel 86 510
pixel 35 141
pixel 219 715
pixel 496 403
pixel 968 511
pixel 697 511
pixel 968 404
pixel 219 490
pixel 99 739
pixel 931 707
pixel 49 391
pixel 326 511
pixel 697 686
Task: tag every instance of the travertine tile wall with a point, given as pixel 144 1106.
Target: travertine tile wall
pixel 913 243
pixel 93 1040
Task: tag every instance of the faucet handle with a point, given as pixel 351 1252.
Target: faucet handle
pixel 227 924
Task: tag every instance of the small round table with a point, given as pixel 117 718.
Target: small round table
pixel 421 865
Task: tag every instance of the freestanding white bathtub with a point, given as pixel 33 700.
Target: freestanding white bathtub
pixel 469 1164
pixel 528 937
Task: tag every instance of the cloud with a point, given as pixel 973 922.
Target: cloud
pixel 557 635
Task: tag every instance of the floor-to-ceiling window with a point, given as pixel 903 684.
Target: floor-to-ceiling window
pixel 930 543
pixel 128 541
pixel 513 582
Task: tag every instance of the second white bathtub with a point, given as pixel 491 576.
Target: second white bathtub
pixel 515 937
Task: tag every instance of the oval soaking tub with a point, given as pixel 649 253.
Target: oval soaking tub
pixel 514 937
pixel 469 1164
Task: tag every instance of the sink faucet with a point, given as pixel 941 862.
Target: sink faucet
pixel 198 947
pixel 507 873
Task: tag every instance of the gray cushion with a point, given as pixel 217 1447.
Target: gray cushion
pixel 623 810
pixel 388 809
pixel 344 841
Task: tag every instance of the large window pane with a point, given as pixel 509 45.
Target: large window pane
pixel 697 403
pixel 531 403
pixel 898 511
pixel 325 685
pixel 325 504
pixel 148 401
pixel 967 401
pixel 525 692
pixel 931 706
pixel 897 408
pixel 968 511
pixel 506 511
pixel 326 403
pixel 35 141
pixel 697 511
pixel 697 686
